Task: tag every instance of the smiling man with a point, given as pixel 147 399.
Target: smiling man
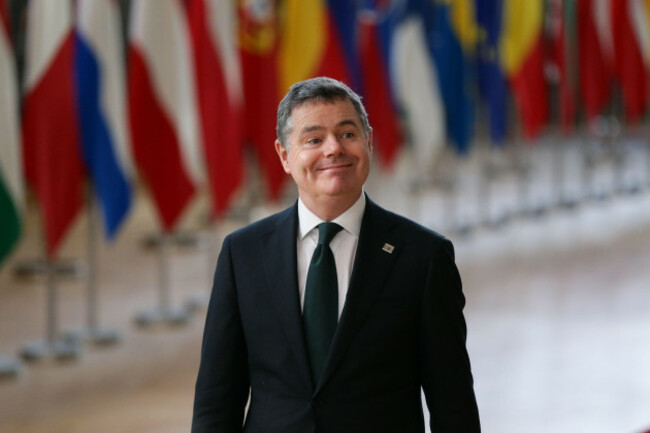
pixel 334 314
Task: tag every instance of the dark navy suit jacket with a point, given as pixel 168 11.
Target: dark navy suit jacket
pixel 402 328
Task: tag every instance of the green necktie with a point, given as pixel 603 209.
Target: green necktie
pixel 321 308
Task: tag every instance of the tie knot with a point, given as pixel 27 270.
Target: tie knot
pixel 326 232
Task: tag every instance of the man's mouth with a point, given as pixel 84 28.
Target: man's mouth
pixel 336 166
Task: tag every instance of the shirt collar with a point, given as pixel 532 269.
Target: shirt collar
pixel 350 220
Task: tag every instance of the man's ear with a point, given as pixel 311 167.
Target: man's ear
pixel 370 136
pixel 283 154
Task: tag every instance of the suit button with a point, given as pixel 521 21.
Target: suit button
pixel 317 402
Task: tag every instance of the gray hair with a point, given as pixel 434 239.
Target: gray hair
pixel 320 89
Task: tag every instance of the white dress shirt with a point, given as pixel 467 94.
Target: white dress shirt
pixel 343 245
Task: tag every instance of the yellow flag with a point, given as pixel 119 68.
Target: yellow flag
pixel 302 44
pixel 522 24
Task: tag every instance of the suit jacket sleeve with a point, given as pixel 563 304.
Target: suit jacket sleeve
pixel 445 368
pixel 222 385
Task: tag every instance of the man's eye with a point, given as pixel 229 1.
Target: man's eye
pixel 314 141
pixel 348 135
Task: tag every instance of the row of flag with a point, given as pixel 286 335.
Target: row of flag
pixel 202 79
pixel 173 110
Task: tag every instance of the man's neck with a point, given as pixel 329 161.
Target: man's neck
pixel 329 208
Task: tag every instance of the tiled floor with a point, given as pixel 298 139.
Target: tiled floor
pixel 558 315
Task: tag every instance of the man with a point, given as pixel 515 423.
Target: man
pixel 333 328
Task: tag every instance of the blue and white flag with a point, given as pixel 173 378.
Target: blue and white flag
pixel 101 90
pixel 415 84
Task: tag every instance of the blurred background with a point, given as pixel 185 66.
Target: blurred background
pixel 134 135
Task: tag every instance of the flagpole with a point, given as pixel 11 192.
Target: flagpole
pixel 55 347
pixel 200 300
pixel 647 164
pixel 164 313
pixel 587 165
pixel 452 216
pixel 94 332
pixel 611 137
pixel 522 178
pixel 619 155
pixel 484 196
pixel 92 297
pixel 500 165
pixel 559 174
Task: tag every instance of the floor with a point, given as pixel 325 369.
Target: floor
pixel 557 311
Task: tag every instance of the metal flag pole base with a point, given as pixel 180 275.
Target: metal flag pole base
pixel 63 268
pixel 494 167
pixel 527 207
pixel 9 368
pixel 499 221
pixel 97 335
pixel 567 203
pixel 53 347
pixel 164 313
pixel 61 350
pixel 183 239
pixel 93 332
pixel 463 229
pixel 200 300
pixel 632 189
pixel 158 316
pixel 624 186
pixel 536 210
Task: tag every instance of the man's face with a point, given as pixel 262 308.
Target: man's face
pixel 328 154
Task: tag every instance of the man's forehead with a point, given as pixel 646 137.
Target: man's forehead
pixel 305 108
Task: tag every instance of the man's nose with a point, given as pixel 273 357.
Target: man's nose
pixel 333 146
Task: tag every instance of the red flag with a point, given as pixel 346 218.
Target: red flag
pixel 376 87
pixel 162 104
pixel 595 61
pixel 259 49
pixel 629 67
pixel 523 62
pixel 220 95
pixel 52 149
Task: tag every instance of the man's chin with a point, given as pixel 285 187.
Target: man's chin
pixel 341 190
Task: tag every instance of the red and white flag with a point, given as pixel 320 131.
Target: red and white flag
pixel 50 127
pixel 213 26
pixel 162 105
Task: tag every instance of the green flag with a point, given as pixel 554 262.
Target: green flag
pixel 11 187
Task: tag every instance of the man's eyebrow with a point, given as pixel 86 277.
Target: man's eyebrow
pixel 311 128
pixel 347 122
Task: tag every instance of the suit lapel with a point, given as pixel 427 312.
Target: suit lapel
pixel 280 264
pixel 372 265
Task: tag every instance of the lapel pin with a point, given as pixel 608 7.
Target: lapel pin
pixel 388 248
